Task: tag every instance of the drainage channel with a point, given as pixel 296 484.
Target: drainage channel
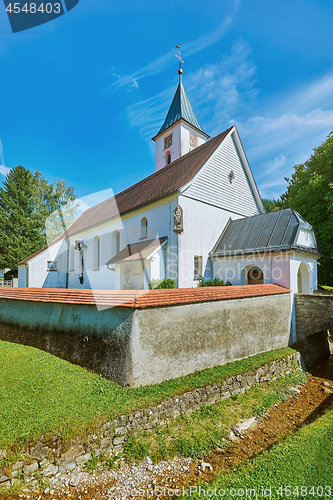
pixel 312 400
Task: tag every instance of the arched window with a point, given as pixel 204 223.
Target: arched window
pixel 255 276
pixel 115 243
pixel 144 227
pixel 96 253
pixel 71 258
pixel 168 158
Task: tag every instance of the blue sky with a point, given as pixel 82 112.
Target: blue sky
pixel 81 96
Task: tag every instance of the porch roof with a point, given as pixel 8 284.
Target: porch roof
pixel 270 232
pixel 137 251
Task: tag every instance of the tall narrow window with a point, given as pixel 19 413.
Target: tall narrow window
pixel 144 228
pixel 115 243
pixel 197 267
pixel 71 258
pixel 96 252
pixel 168 158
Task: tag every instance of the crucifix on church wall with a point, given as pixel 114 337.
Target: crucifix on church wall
pixel 127 273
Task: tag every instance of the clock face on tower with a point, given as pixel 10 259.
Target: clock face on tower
pixel 193 141
pixel 168 142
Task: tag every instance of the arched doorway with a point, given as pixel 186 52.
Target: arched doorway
pixel 255 276
pixel 303 279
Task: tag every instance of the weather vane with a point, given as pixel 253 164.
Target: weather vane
pixel 179 57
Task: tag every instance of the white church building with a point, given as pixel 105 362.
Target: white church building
pixel 199 216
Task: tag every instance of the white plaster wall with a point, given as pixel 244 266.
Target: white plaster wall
pixel 203 224
pixel 160 223
pixel 311 263
pixel 275 267
pixel 306 239
pixel 39 276
pixel 212 185
pixel 180 143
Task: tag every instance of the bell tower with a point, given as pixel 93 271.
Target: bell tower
pixel 180 132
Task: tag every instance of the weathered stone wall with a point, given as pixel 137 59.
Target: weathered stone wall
pixel 136 347
pixel 314 313
pixel 314 319
pixel 80 334
pixel 51 457
pixel 170 342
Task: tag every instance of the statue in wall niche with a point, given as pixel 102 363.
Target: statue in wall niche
pixel 178 220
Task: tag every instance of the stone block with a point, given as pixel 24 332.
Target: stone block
pixel 73 452
pixel 39 452
pixel 83 458
pixel 4 479
pixel 18 465
pixel 118 440
pixel 121 430
pixel 50 470
pixel 106 443
pixel 30 469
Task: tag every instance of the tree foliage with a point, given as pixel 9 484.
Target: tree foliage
pixel 26 202
pixel 270 205
pixel 310 192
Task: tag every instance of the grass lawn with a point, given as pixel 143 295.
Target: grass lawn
pixel 304 459
pixel 44 395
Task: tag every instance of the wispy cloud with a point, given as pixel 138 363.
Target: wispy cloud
pixel 167 59
pixel 216 92
pixel 3 169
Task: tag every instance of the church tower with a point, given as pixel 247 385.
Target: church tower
pixel 180 132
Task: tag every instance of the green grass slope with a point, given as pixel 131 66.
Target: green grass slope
pixel 43 395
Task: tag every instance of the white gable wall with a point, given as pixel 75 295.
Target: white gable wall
pixel 203 225
pixel 212 185
pixel 38 276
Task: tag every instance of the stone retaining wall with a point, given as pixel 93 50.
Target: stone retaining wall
pixel 49 458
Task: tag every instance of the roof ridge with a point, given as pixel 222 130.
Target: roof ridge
pixel 166 168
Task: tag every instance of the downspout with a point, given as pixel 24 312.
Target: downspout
pixel 27 275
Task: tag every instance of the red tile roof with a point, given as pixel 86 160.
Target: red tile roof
pixel 162 183
pixel 140 298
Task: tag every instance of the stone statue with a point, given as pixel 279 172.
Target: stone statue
pixel 178 220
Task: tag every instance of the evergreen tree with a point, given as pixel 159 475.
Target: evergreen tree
pixel 26 201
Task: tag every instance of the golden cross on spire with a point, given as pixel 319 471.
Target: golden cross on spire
pixel 179 57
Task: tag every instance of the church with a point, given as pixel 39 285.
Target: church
pixel 199 216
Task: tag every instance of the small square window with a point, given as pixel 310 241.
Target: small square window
pixel 197 267
pixel 52 265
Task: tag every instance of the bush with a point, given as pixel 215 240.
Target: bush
pixel 158 284
pixel 215 282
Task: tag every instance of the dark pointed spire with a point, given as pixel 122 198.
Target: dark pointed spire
pixel 181 109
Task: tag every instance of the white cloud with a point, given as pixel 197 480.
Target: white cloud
pixel 227 84
pixel 3 169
